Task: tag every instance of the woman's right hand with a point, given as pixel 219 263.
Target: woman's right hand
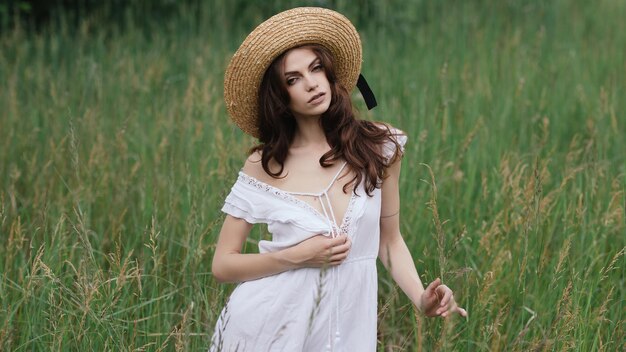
pixel 319 251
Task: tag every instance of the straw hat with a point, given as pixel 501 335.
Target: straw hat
pixel 288 29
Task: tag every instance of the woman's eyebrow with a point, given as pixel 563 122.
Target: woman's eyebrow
pixel 311 64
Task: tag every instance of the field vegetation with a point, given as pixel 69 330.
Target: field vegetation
pixel 116 154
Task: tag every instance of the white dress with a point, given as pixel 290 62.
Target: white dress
pixel 307 309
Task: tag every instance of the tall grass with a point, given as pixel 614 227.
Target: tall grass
pixel 116 155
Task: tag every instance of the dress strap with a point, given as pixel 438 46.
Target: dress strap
pixel 319 194
pixel 335 178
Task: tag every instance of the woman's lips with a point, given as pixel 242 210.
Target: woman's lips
pixel 318 98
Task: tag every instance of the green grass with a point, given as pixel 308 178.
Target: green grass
pixel 116 154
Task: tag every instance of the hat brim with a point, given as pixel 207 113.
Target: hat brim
pixel 286 30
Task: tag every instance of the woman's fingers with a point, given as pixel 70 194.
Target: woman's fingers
pixel 339 244
pixel 339 240
pixel 335 241
pixel 462 312
pixel 438 300
pixel 344 247
pixel 433 285
pixel 447 294
pixel 430 289
pixel 451 309
pixel 442 309
pixel 339 252
pixel 459 310
pixel 446 303
pixel 322 250
pixel 338 256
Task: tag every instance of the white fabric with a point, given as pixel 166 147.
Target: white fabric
pixel 305 309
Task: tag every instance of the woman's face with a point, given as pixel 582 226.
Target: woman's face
pixel 306 82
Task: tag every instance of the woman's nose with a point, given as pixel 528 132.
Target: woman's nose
pixel 311 83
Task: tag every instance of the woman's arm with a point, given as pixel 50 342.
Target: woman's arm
pixel 436 299
pixel 230 265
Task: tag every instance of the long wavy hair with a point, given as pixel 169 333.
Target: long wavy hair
pixel 359 142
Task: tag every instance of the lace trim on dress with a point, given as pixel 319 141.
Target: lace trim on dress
pixel 346 223
pixel 276 191
pixel 284 195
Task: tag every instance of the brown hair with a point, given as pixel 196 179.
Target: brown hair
pixel 359 142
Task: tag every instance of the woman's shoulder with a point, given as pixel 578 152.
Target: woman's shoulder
pixel 393 131
pixel 393 146
pixel 253 166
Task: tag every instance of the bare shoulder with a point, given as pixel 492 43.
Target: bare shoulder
pixel 392 130
pixel 254 167
pixel 392 147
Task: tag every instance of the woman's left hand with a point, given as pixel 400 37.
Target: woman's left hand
pixel 438 300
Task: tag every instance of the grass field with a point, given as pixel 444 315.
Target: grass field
pixel 116 154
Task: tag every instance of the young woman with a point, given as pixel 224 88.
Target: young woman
pixel 325 183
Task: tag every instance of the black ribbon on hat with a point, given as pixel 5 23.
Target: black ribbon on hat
pixel 366 92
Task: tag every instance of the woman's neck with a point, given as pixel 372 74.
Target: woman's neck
pixel 309 133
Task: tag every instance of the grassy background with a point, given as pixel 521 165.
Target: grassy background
pixel 116 154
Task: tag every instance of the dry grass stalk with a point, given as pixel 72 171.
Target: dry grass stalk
pixel 3 211
pixel 14 243
pixel 494 328
pixel 419 336
pixel 563 254
pixel 492 233
pixel 485 297
pixel 614 214
pixel 611 266
pixel 181 331
pixel 385 308
pixel 440 234
pixel 604 308
pixel 154 246
pixel 563 322
pixel 520 336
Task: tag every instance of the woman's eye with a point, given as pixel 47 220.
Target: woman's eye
pixel 291 81
pixel 317 68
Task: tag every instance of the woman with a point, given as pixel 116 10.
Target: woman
pixel 326 184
